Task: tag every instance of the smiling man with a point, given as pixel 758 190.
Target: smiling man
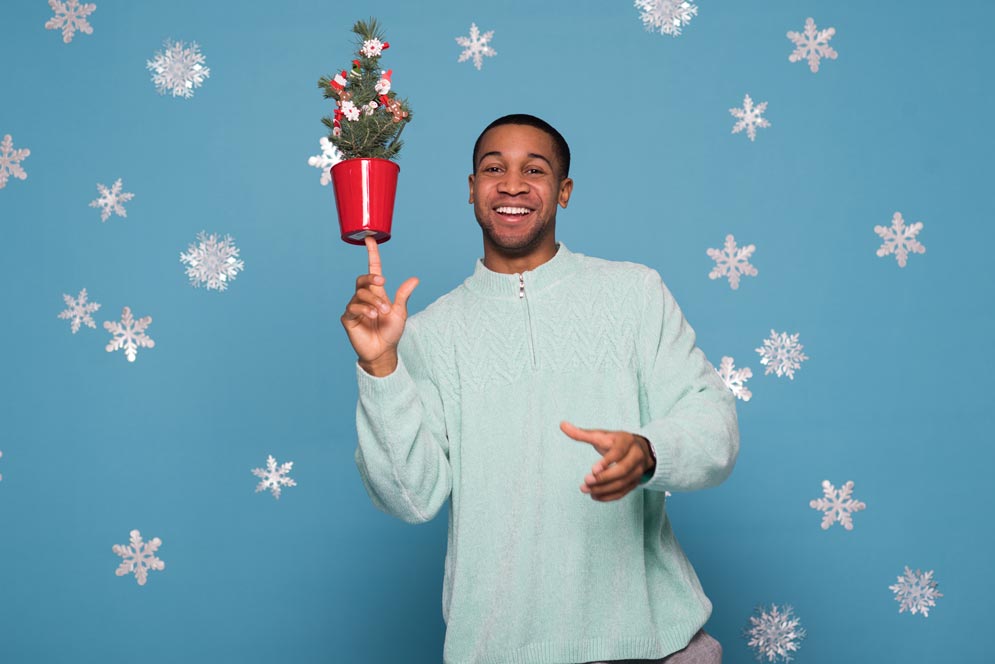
pixel 551 399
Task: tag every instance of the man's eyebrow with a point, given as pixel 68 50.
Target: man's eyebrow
pixel 496 153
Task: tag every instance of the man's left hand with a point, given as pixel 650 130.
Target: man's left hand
pixel 626 457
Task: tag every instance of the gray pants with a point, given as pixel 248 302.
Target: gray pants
pixel 702 649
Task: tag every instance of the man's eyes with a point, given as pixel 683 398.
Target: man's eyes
pixel 532 170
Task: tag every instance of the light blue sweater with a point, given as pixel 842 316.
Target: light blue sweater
pixel 536 571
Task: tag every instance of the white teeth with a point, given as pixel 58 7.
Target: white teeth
pixel 513 210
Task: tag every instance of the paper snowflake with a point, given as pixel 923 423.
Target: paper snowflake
pixel 916 592
pixel 139 557
pixel 273 477
pixel 774 634
pixel 372 48
pixel 70 16
pixel 476 46
pixel 129 334
pixel 749 117
pixel 667 16
pixel 837 505
pixel 111 200
pixel 329 156
pixel 782 354
pixel 10 161
pixel 732 262
pixel 900 239
pixel 178 69
pixel 79 311
pixel 213 261
pixel 812 45
pixel 734 378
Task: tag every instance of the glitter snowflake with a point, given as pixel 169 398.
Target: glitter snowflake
pixel 838 505
pixel 129 334
pixel 667 16
pixel 782 354
pixel 329 156
pixel 79 311
pixel 732 262
pixel 916 592
pixel 111 200
pixel 10 161
pixel 213 261
pixel 774 634
pixel 900 239
pixel 70 16
pixel 476 46
pixel 812 45
pixel 735 378
pixel 749 117
pixel 178 69
pixel 273 477
pixel 139 557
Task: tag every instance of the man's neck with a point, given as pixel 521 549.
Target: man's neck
pixel 502 263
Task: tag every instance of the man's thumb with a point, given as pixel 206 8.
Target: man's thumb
pixel 404 292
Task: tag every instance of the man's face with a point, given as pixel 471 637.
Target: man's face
pixel 516 187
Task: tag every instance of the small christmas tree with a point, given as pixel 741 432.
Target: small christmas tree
pixel 369 117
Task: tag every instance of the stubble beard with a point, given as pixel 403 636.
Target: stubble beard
pixel 520 245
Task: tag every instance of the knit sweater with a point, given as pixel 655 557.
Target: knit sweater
pixel 536 572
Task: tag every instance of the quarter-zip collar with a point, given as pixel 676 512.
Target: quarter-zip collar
pixel 497 284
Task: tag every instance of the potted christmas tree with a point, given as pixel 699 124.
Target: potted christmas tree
pixel 366 128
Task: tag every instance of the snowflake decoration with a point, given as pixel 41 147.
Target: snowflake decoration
pixel 329 156
pixel 916 592
pixel 476 46
pixel 837 505
pixel 139 557
pixel 775 634
pixel 372 48
pixel 782 354
pixel 749 117
pixel 70 16
pixel 178 69
pixel 734 378
pixel 667 16
pixel 10 161
pixel 79 311
pixel 213 261
pixel 900 239
pixel 273 477
pixel 812 45
pixel 111 200
pixel 129 334
pixel 732 262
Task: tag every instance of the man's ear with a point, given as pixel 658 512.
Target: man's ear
pixel 566 187
pixel 470 181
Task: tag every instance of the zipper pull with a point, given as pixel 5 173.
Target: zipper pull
pixel 521 286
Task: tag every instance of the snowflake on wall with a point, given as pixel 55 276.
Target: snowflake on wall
pixel 178 69
pixel 667 16
pixel 732 262
pixel 749 117
pixel 79 311
pixel 10 161
pixel 111 200
pixel 476 46
pixel 329 156
pixel 812 45
pixel 70 16
pixel 735 378
pixel 900 239
pixel 782 354
pixel 213 261
pixel 273 477
pixel 838 505
pixel 129 334
pixel 916 592
pixel 139 557
pixel 774 634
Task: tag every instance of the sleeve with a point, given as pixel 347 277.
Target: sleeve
pixel 403 450
pixel 689 414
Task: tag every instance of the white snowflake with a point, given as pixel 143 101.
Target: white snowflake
pixel 667 16
pixel 10 161
pixel 129 334
pixel 273 477
pixel 732 262
pixel 837 505
pixel 812 45
pixel 111 200
pixel 774 635
pixel 900 239
pixel 178 69
pixel 735 378
pixel 782 354
pixel 213 261
pixel 476 46
pixel 749 117
pixel 350 110
pixel 70 16
pixel 79 311
pixel 916 592
pixel 329 156
pixel 372 48
pixel 139 557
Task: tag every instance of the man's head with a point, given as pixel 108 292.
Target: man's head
pixel 560 147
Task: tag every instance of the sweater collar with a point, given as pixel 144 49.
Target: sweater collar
pixel 488 282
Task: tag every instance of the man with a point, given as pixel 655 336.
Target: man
pixel 543 368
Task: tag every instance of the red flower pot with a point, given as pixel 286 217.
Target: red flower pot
pixel 364 197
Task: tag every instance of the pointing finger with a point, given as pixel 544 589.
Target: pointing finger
pixel 374 252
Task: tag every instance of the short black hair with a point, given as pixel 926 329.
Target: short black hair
pixel 559 143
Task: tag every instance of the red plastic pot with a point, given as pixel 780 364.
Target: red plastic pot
pixel 364 197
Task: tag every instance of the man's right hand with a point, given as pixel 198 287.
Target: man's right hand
pixel 375 324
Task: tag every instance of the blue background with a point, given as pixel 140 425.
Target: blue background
pixel 893 397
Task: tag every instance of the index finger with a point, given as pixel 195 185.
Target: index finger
pixel 374 251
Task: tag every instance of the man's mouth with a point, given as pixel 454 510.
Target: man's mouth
pixel 513 213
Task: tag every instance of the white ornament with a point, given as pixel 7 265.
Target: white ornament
pixel 212 262
pixel 749 117
pixel 774 634
pixel 69 17
pixel 329 156
pixel 79 311
pixel 735 378
pixel 837 505
pixel 350 110
pixel 273 477
pixel 372 48
pixel 129 334
pixel 782 354
pixel 916 592
pixel 178 69
pixel 812 45
pixel 10 161
pixel 382 86
pixel 476 46
pixel 900 239
pixel 111 200
pixel 732 261
pixel 139 557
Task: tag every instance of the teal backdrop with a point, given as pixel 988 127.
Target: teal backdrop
pixel 895 395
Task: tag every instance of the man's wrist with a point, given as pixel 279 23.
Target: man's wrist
pixel 381 366
pixel 651 466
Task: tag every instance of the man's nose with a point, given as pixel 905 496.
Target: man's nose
pixel 513 183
